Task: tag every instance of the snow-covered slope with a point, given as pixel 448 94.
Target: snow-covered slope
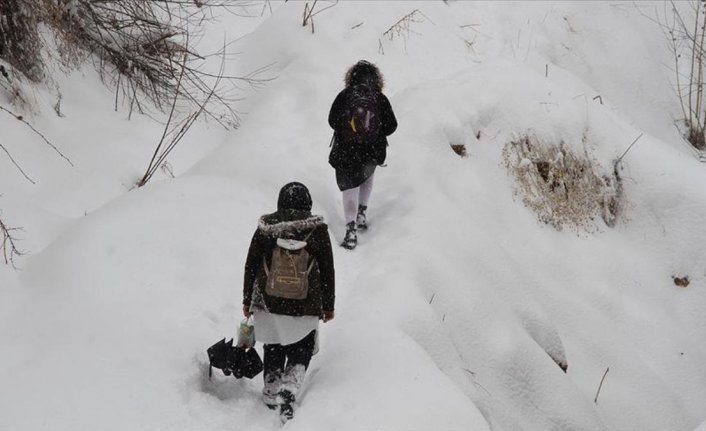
pixel 452 312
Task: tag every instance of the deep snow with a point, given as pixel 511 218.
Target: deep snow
pixel 448 311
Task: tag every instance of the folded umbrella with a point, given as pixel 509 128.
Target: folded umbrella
pixel 252 364
pixel 234 360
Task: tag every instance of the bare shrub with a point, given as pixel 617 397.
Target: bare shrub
pixel 143 47
pixel 562 188
pixel 20 50
pixel 20 43
pixel 684 26
pixel 139 46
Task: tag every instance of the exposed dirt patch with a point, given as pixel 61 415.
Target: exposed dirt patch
pixel 681 281
pixel 459 149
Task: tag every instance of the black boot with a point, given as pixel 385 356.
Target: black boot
pixel 360 220
pixel 351 238
pixel 286 411
pixel 271 389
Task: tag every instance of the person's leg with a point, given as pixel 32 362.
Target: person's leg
pixel 300 353
pixel 273 364
pixel 350 208
pixel 365 190
pixel 350 204
pixel 298 358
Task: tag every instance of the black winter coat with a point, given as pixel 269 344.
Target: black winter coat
pixel 348 157
pixel 293 224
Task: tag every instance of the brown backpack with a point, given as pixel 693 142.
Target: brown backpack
pixel 288 274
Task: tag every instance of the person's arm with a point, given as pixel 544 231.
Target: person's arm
pixel 336 113
pixel 389 122
pixel 327 272
pixel 252 267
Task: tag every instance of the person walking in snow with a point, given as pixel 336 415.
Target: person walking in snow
pixel 362 118
pixel 289 285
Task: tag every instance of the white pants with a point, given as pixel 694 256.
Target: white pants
pixel 356 196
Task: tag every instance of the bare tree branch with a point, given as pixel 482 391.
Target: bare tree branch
pixel 177 133
pixel 37 132
pixel 14 162
pixel 148 175
pixel 9 245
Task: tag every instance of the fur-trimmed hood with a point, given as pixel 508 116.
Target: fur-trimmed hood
pixel 364 72
pixel 273 225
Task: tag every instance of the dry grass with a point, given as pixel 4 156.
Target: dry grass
pixel 562 188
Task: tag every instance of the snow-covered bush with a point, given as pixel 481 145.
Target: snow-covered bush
pixel 145 49
pixel 563 188
pixel 20 43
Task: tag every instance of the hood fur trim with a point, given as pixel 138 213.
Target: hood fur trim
pixel 281 228
pixel 371 75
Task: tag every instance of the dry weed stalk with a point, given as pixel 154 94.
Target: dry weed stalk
pixel 402 28
pixel 598 392
pixel 309 14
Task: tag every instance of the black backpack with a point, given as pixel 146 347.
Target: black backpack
pixel 362 116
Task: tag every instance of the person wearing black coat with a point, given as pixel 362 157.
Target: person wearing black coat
pixel 287 327
pixel 355 162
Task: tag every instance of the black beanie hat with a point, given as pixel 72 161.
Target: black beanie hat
pixel 294 196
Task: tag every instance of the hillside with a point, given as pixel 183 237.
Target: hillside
pixel 458 303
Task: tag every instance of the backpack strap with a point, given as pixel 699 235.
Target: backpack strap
pixel 311 265
pixel 264 265
pixel 308 235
